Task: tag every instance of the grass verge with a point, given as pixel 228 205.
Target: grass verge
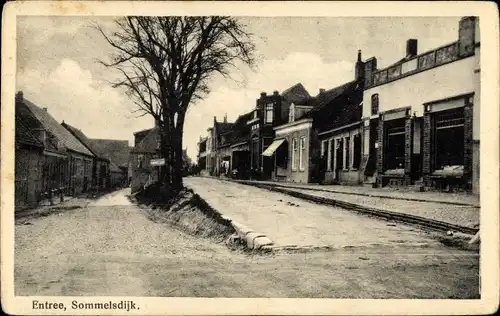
pixel 186 211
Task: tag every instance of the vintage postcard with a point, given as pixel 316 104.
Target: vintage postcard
pixel 249 158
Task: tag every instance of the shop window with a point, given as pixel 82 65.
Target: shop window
pixel 356 158
pixel 269 113
pixel 294 154
pixel 449 139
pixel 395 148
pixel 347 152
pixel 374 104
pixel 302 153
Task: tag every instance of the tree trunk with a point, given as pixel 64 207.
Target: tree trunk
pixel 177 184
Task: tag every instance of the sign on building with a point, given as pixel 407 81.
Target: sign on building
pixel 158 162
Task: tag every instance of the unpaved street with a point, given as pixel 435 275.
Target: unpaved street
pixel 111 247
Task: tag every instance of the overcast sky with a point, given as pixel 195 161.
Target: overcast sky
pixel 57 69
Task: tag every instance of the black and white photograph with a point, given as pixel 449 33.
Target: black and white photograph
pixel 207 151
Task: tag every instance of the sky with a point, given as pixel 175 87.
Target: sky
pixel 57 66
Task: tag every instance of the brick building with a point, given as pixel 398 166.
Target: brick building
pixel 146 148
pixel 118 153
pixel 29 166
pixel 67 162
pixel 421 115
pixel 100 164
pixel 270 111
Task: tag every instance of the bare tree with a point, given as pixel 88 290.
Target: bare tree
pixel 166 65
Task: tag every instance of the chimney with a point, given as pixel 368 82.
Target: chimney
pixel 225 118
pixel 45 109
pixel 359 71
pixel 411 48
pixel 263 94
pixel 276 92
pixel 370 66
pixel 466 35
pixel 321 90
pixel 19 96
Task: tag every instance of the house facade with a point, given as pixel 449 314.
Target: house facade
pixel 317 143
pixel 67 163
pixel 100 164
pixel 421 115
pixel 146 149
pixel 29 166
pixel 270 111
pixel 118 153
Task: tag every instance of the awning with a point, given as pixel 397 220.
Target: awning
pixel 272 148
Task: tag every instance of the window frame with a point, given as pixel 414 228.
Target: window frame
pixel 360 151
pixel 269 108
pixel 302 151
pixel 294 156
pixel 375 101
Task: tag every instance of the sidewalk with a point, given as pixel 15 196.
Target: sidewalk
pixel 45 208
pixel 408 194
pixel 290 221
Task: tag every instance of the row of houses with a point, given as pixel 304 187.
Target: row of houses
pixel 53 159
pixel 415 122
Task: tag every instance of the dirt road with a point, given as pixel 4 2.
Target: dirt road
pixel 111 247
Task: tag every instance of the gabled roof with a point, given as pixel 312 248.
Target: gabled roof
pixel 296 93
pixel 344 109
pixel 114 168
pixel 222 127
pixel 83 139
pixel 325 99
pixel 149 143
pixel 240 132
pixel 117 151
pixel 24 135
pixel 62 134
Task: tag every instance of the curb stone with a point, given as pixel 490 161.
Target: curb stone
pixel 252 239
pixel 401 217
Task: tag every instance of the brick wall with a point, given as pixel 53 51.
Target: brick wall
pixel 408 149
pixel 468 145
pixel 427 151
pixel 28 176
pixel 380 151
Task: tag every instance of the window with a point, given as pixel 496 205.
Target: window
pixel 449 146
pixel 324 146
pixel 255 127
pixel 158 142
pixel 291 115
pixel 255 114
pixel 302 153
pixel 394 149
pixel 294 154
pixel 347 152
pixel 140 161
pixel 330 155
pixel 375 104
pixel 356 159
pixel 269 113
